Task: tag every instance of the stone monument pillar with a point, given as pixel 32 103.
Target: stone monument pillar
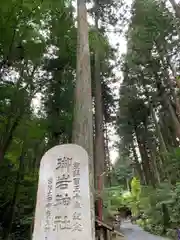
pixel 63 208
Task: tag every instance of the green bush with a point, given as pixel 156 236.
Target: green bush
pixel 161 206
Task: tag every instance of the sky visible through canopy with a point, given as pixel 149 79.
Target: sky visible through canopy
pixel 115 38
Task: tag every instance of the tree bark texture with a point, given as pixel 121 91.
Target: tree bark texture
pixel 83 117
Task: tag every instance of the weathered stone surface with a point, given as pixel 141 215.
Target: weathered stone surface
pixel 63 208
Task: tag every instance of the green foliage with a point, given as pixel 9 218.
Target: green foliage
pixel 161 208
pixel 135 188
pixel 37 79
pixel 112 200
pixel 148 118
pixel 135 196
pixel 116 197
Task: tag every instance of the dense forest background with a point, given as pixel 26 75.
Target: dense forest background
pixel 38 65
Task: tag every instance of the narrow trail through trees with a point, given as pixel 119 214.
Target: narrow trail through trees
pixel 134 232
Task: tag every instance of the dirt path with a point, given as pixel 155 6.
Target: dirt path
pixel 134 232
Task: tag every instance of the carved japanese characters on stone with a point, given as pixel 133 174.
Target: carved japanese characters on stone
pixel 63 208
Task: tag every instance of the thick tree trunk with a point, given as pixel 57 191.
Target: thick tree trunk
pixel 137 164
pixel 154 161
pixel 107 157
pixel 163 148
pixel 170 84
pixel 168 132
pixel 142 136
pixel 158 132
pixel 167 104
pixel 83 117
pixel 176 123
pixel 83 128
pixel 149 161
pixel 144 158
pixel 99 124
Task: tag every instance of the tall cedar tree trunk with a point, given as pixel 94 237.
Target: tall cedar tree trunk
pixel 163 148
pixel 107 156
pixel 99 124
pixel 171 86
pixel 142 144
pixel 176 123
pixel 137 163
pixel 146 147
pixel 157 166
pixel 166 103
pixel 168 131
pixel 83 117
pixel 154 164
pixel 158 132
pixel 143 157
